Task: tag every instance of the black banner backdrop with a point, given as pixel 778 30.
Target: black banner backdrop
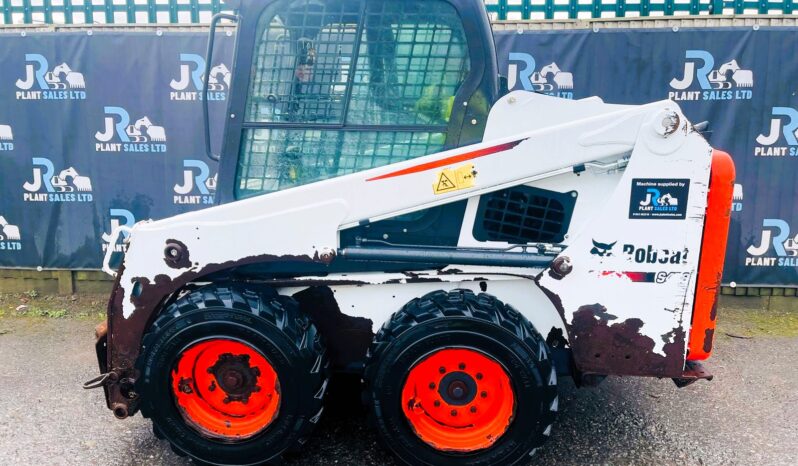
pixel 105 129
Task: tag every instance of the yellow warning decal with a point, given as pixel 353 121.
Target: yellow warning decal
pixel 454 179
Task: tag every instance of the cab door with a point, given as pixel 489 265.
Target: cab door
pixel 324 88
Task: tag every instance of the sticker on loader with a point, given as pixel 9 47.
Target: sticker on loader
pixel 454 179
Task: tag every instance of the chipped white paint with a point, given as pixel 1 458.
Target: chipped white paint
pixel 557 134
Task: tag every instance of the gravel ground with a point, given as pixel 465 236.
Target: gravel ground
pixel 747 415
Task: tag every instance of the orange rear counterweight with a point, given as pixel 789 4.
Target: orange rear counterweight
pixel 713 252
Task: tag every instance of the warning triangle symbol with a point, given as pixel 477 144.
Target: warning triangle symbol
pixel 445 183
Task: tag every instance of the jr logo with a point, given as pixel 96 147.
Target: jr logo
pixel 9 236
pixel 655 199
pixel 728 82
pixel 189 86
pixel 6 138
pixel 775 233
pixel 47 186
pixel 119 217
pixel 784 122
pixel 550 80
pixel 39 83
pixel 141 136
pixel 196 178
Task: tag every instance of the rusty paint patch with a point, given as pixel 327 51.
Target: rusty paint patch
pixel 621 348
pixel 124 335
pixel 176 254
pixel 590 333
pixel 347 337
pixel 709 336
pixel 713 312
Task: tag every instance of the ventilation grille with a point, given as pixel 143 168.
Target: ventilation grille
pixel 524 214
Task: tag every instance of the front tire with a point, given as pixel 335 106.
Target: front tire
pixel 232 375
pixel 460 379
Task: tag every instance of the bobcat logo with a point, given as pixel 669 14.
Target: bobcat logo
pixel 602 249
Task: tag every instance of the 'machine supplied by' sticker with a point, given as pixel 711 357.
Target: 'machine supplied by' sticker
pixel 658 198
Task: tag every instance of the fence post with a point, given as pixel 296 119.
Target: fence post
pixel 173 11
pixel 109 11
pixel 68 11
pixel 7 12
pixel 66 282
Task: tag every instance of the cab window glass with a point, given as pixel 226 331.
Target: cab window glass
pixel 376 80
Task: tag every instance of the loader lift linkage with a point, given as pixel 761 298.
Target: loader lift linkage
pixel 385 208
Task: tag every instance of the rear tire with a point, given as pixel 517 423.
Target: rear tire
pixel 268 362
pixel 480 345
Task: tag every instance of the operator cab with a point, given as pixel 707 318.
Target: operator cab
pixel 324 88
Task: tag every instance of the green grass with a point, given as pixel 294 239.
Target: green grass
pixel 747 322
pixel 31 304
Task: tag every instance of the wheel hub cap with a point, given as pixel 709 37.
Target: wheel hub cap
pixel 458 400
pixel 225 389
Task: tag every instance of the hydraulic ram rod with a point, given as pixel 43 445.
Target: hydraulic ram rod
pixel 447 256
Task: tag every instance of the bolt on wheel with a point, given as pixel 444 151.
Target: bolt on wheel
pixel 458 400
pixel 455 378
pixel 226 389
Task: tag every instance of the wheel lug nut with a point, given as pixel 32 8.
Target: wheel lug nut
pixel 473 409
pixel 432 385
pixel 462 366
pixel 479 375
pixel 437 403
pixel 442 370
pixel 484 394
pixel 454 412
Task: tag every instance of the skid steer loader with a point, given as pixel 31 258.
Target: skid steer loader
pixel 387 209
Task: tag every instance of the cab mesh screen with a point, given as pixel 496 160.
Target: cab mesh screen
pixel 375 80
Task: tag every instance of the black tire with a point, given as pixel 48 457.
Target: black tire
pixel 461 319
pixel 261 318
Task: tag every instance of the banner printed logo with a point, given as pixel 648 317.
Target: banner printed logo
pixel 783 130
pixel 737 198
pixel 119 135
pixel 198 186
pixel 9 236
pixel 119 217
pixel 549 80
pixel 6 138
pixel 67 186
pixel 728 82
pixel 776 235
pixel 189 85
pixel 41 83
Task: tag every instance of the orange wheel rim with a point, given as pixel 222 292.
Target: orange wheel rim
pixel 226 389
pixel 458 400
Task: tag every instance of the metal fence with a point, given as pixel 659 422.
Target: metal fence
pixel 200 11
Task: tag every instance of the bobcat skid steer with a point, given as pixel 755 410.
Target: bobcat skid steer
pixel 386 210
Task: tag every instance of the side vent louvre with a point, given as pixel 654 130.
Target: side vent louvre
pixel 523 214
